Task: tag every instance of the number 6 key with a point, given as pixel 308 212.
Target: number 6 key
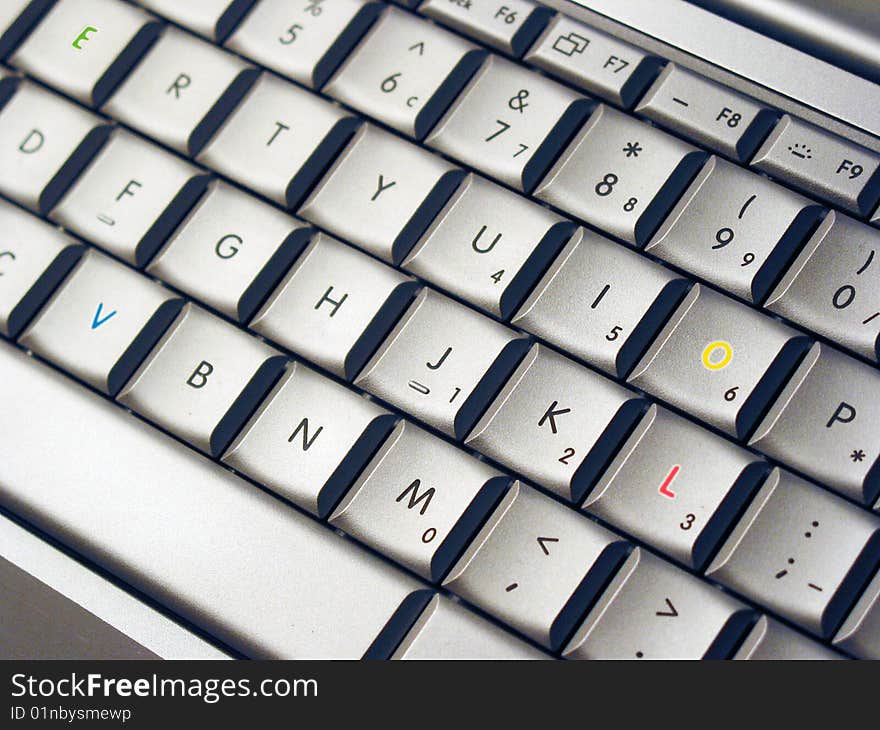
pixel 719 360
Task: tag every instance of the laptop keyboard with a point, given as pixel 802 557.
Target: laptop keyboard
pixel 579 348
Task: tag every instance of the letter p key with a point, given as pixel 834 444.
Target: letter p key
pixel 83 36
pixel 844 413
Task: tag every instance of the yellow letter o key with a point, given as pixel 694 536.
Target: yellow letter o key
pixel 717 355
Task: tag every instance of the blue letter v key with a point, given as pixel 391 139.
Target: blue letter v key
pixel 98 319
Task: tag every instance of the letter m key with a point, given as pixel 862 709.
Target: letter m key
pixel 415 498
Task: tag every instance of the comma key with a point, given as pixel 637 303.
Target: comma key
pixel 826 423
pixel 536 565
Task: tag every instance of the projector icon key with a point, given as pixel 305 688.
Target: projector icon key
pixel 570 44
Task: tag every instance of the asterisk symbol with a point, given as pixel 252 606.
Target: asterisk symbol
pixel 632 149
pixel 857 455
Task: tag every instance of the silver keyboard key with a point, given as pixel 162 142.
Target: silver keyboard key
pixel 556 422
pixel 419 501
pixel 304 42
pixel 734 228
pixel 509 123
pixel 202 380
pixel 34 258
pixel 489 246
pixel 653 610
pixel 826 423
pixel 599 63
pixel 381 193
pixel 713 115
pixel 676 486
pixel 85 47
pixel 230 251
pixel 45 141
pixel 207 545
pixel 719 360
pixel 447 630
pixel 536 565
pixel 833 287
pixel 620 175
pixel 309 439
pixel 102 321
pixel 442 363
pixel 821 164
pixel 334 306
pixel 801 551
pixel 771 640
pixel 279 140
pixel 213 19
pixel 601 302
pixel 130 197
pixel 508 25
pixel 405 72
pixel 17 17
pixel 181 91
pixel 860 633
